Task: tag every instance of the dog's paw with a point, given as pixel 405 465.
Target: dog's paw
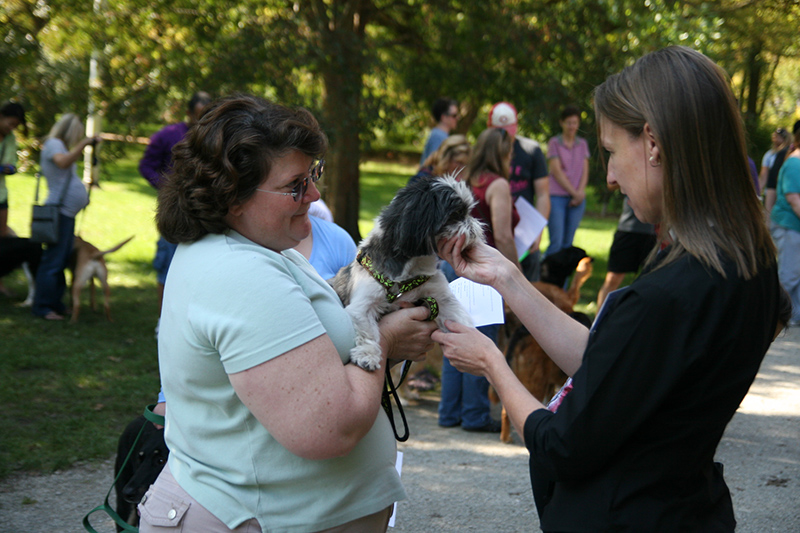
pixel 367 356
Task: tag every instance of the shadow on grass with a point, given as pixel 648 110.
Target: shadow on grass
pixel 73 387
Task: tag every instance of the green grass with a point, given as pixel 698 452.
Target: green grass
pixel 69 389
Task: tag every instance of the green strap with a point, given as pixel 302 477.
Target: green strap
pixel 390 285
pixel 152 417
pixel 155 419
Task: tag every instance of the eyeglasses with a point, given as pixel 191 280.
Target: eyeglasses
pixel 299 190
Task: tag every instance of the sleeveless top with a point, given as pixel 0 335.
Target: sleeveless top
pixel 483 212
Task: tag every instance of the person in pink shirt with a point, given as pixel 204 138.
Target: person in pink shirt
pixel 568 159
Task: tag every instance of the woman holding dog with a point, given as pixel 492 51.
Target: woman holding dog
pixel 666 364
pixel 60 153
pixel 268 427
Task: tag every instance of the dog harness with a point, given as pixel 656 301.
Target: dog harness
pixel 394 289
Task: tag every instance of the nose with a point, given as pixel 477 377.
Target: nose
pixel 610 179
pixel 312 193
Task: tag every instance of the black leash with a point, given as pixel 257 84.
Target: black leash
pixel 391 390
pixel 155 419
pixel 386 401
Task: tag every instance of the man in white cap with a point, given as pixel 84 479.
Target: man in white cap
pixel 528 175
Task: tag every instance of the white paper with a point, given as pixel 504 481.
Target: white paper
pixel 398 464
pixel 483 303
pixel 530 226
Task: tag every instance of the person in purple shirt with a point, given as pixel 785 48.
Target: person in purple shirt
pixel 155 164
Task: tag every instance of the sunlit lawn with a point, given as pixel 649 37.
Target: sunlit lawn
pixel 69 389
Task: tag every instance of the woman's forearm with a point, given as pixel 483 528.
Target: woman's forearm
pixel 561 337
pixel 517 400
pixel 65 160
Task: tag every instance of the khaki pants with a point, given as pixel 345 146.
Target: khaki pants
pixel 167 507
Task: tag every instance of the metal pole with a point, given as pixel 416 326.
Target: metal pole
pixel 91 173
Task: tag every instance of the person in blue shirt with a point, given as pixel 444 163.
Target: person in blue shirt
pixel 445 113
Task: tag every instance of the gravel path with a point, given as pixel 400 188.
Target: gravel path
pixel 459 481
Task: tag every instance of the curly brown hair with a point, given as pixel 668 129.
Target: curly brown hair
pixel 224 157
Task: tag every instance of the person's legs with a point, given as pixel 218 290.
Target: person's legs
pixel 788 243
pixel 165 250
pixel 50 280
pixel 451 395
pixel 476 409
pixel 573 218
pixel 452 379
pixel 556 223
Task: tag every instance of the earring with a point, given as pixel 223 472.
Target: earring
pixel 653 162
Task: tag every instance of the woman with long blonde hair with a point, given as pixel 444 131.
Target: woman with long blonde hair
pixel 61 150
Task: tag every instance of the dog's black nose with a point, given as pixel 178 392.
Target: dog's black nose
pixel 133 494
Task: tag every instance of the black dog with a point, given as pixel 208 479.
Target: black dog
pixel 16 253
pixel 556 268
pixel 145 464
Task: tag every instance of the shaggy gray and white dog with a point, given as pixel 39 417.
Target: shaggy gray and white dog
pixel 397 261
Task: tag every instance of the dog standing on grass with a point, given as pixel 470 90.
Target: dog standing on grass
pixel 397 261
pixel 86 264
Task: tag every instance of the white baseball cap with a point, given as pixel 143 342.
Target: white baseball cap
pixel 503 115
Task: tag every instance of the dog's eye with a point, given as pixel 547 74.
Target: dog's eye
pixel 161 461
pixel 141 455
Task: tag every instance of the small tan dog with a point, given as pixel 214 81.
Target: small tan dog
pixel 86 264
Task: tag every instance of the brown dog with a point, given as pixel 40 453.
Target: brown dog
pixel 527 359
pixel 87 263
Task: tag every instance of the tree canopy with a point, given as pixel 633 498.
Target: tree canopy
pixel 370 69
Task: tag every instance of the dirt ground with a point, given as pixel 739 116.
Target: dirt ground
pixel 459 481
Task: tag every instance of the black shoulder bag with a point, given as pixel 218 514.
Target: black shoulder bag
pixel 44 220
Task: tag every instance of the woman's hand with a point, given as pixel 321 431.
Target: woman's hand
pixel 577 198
pixel 406 333
pixel 481 263
pixel 161 410
pixel 472 352
pixel 468 349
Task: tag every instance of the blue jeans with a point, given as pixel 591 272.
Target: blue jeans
pixel 165 250
pixel 788 243
pixel 465 398
pixel 50 280
pixel 563 222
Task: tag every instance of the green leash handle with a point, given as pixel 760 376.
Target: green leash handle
pixel 152 417
pixel 105 507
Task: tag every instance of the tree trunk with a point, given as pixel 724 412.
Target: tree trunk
pixel 343 82
pixel 754 68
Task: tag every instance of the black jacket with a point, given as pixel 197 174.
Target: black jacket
pixel 632 446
